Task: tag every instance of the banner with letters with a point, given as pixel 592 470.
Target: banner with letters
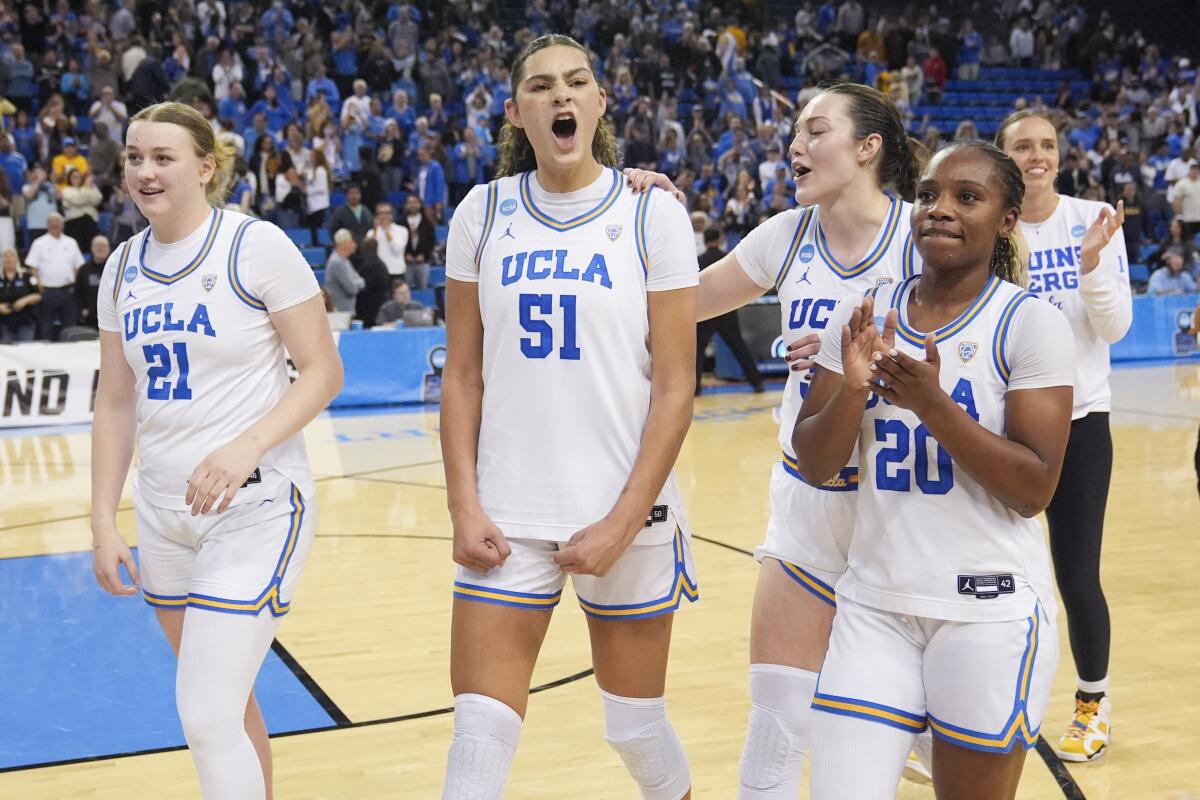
pixel 48 384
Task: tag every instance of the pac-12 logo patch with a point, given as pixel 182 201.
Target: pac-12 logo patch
pixel 967 351
pixel 882 282
pixel 806 253
pixel 1078 231
pixel 613 232
pixel 508 207
pixel 209 281
pixel 130 274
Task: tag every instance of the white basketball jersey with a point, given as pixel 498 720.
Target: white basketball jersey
pixel 1098 305
pixel 788 252
pixel 208 363
pixel 566 358
pixel 928 539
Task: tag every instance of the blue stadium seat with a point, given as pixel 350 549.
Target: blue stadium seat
pixel 302 237
pixel 1139 273
pixel 426 297
pixel 320 275
pixel 437 276
pixel 324 238
pixel 315 256
pixel 442 231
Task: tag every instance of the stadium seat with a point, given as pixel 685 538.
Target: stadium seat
pixel 315 256
pixel 437 276
pixel 302 237
pixel 320 276
pixel 442 231
pixel 426 297
pixel 324 238
pixel 1139 273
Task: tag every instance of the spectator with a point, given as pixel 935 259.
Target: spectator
pixel 87 280
pixel 41 200
pixel 431 181
pixel 317 185
pixel 126 219
pixel 1020 42
pixel 8 229
pixel 393 310
pixel 376 283
pixel 934 70
pixel 404 114
pixel 342 281
pixel 1073 178
pixel 421 240
pixel 233 108
pixel 1175 240
pixel 357 107
pixel 18 296
pixel 391 157
pixel 1171 278
pixel 103 156
pixel 725 325
pixel 1137 221
pixel 264 166
pixel 148 84
pixel 392 241
pixel 81 207
pixel 471 160
pixel 74 87
pixel 69 159
pixel 13 163
pixel 970 51
pixel 20 87
pixel 352 216
pixel 53 259
pixel 1187 201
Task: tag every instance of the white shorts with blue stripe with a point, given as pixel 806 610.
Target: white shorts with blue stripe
pixel 244 560
pixel 981 685
pixel 646 581
pixel 810 527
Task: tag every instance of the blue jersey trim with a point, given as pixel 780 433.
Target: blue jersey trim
pixel 238 288
pixel 206 246
pixel 1000 339
pixel 890 224
pixel 550 222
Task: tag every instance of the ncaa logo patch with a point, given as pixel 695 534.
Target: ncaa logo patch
pixel 967 351
pixel 613 231
pixel 209 281
pixel 130 274
pixel 806 253
pixel 1078 231
pixel 508 207
pixel 778 348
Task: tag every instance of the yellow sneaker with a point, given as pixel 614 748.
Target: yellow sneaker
pixel 1088 734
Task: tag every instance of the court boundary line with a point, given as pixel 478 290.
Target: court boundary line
pixel 1062 776
pixel 310 684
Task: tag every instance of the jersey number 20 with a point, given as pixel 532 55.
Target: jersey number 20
pixel 896 453
pixel 160 360
pixel 534 309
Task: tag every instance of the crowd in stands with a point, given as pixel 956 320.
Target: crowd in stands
pixel 376 118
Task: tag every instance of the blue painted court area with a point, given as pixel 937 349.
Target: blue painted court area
pixel 85 674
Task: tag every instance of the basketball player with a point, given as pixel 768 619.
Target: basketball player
pixel 945 612
pixel 1078 263
pixel 567 394
pixel 852 164
pixel 194 315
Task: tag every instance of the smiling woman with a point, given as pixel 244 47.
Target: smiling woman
pixel 194 314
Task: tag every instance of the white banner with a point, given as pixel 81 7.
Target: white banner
pixel 48 384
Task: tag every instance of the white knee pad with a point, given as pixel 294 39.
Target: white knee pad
pixel 486 733
pixel 638 729
pixel 777 735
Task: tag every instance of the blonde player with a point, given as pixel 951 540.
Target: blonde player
pixel 852 164
pixel 194 316
pixel 946 611
pixel 1078 263
pixel 567 393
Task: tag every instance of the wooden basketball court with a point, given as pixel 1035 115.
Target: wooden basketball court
pixel 368 637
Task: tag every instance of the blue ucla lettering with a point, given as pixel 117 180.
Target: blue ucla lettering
pixel 131 323
pixel 1054 258
pixel 1064 257
pixel 965 397
pixel 597 269
pixel 532 270
pixel 168 323
pixel 200 323
pixel 517 263
pixel 560 267
pixel 814 312
pixel 536 266
pixel 158 316
pixel 147 325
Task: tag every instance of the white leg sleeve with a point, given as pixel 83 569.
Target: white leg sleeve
pixel 777 736
pixel 219 657
pixel 486 733
pixel 638 729
pixel 856 758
